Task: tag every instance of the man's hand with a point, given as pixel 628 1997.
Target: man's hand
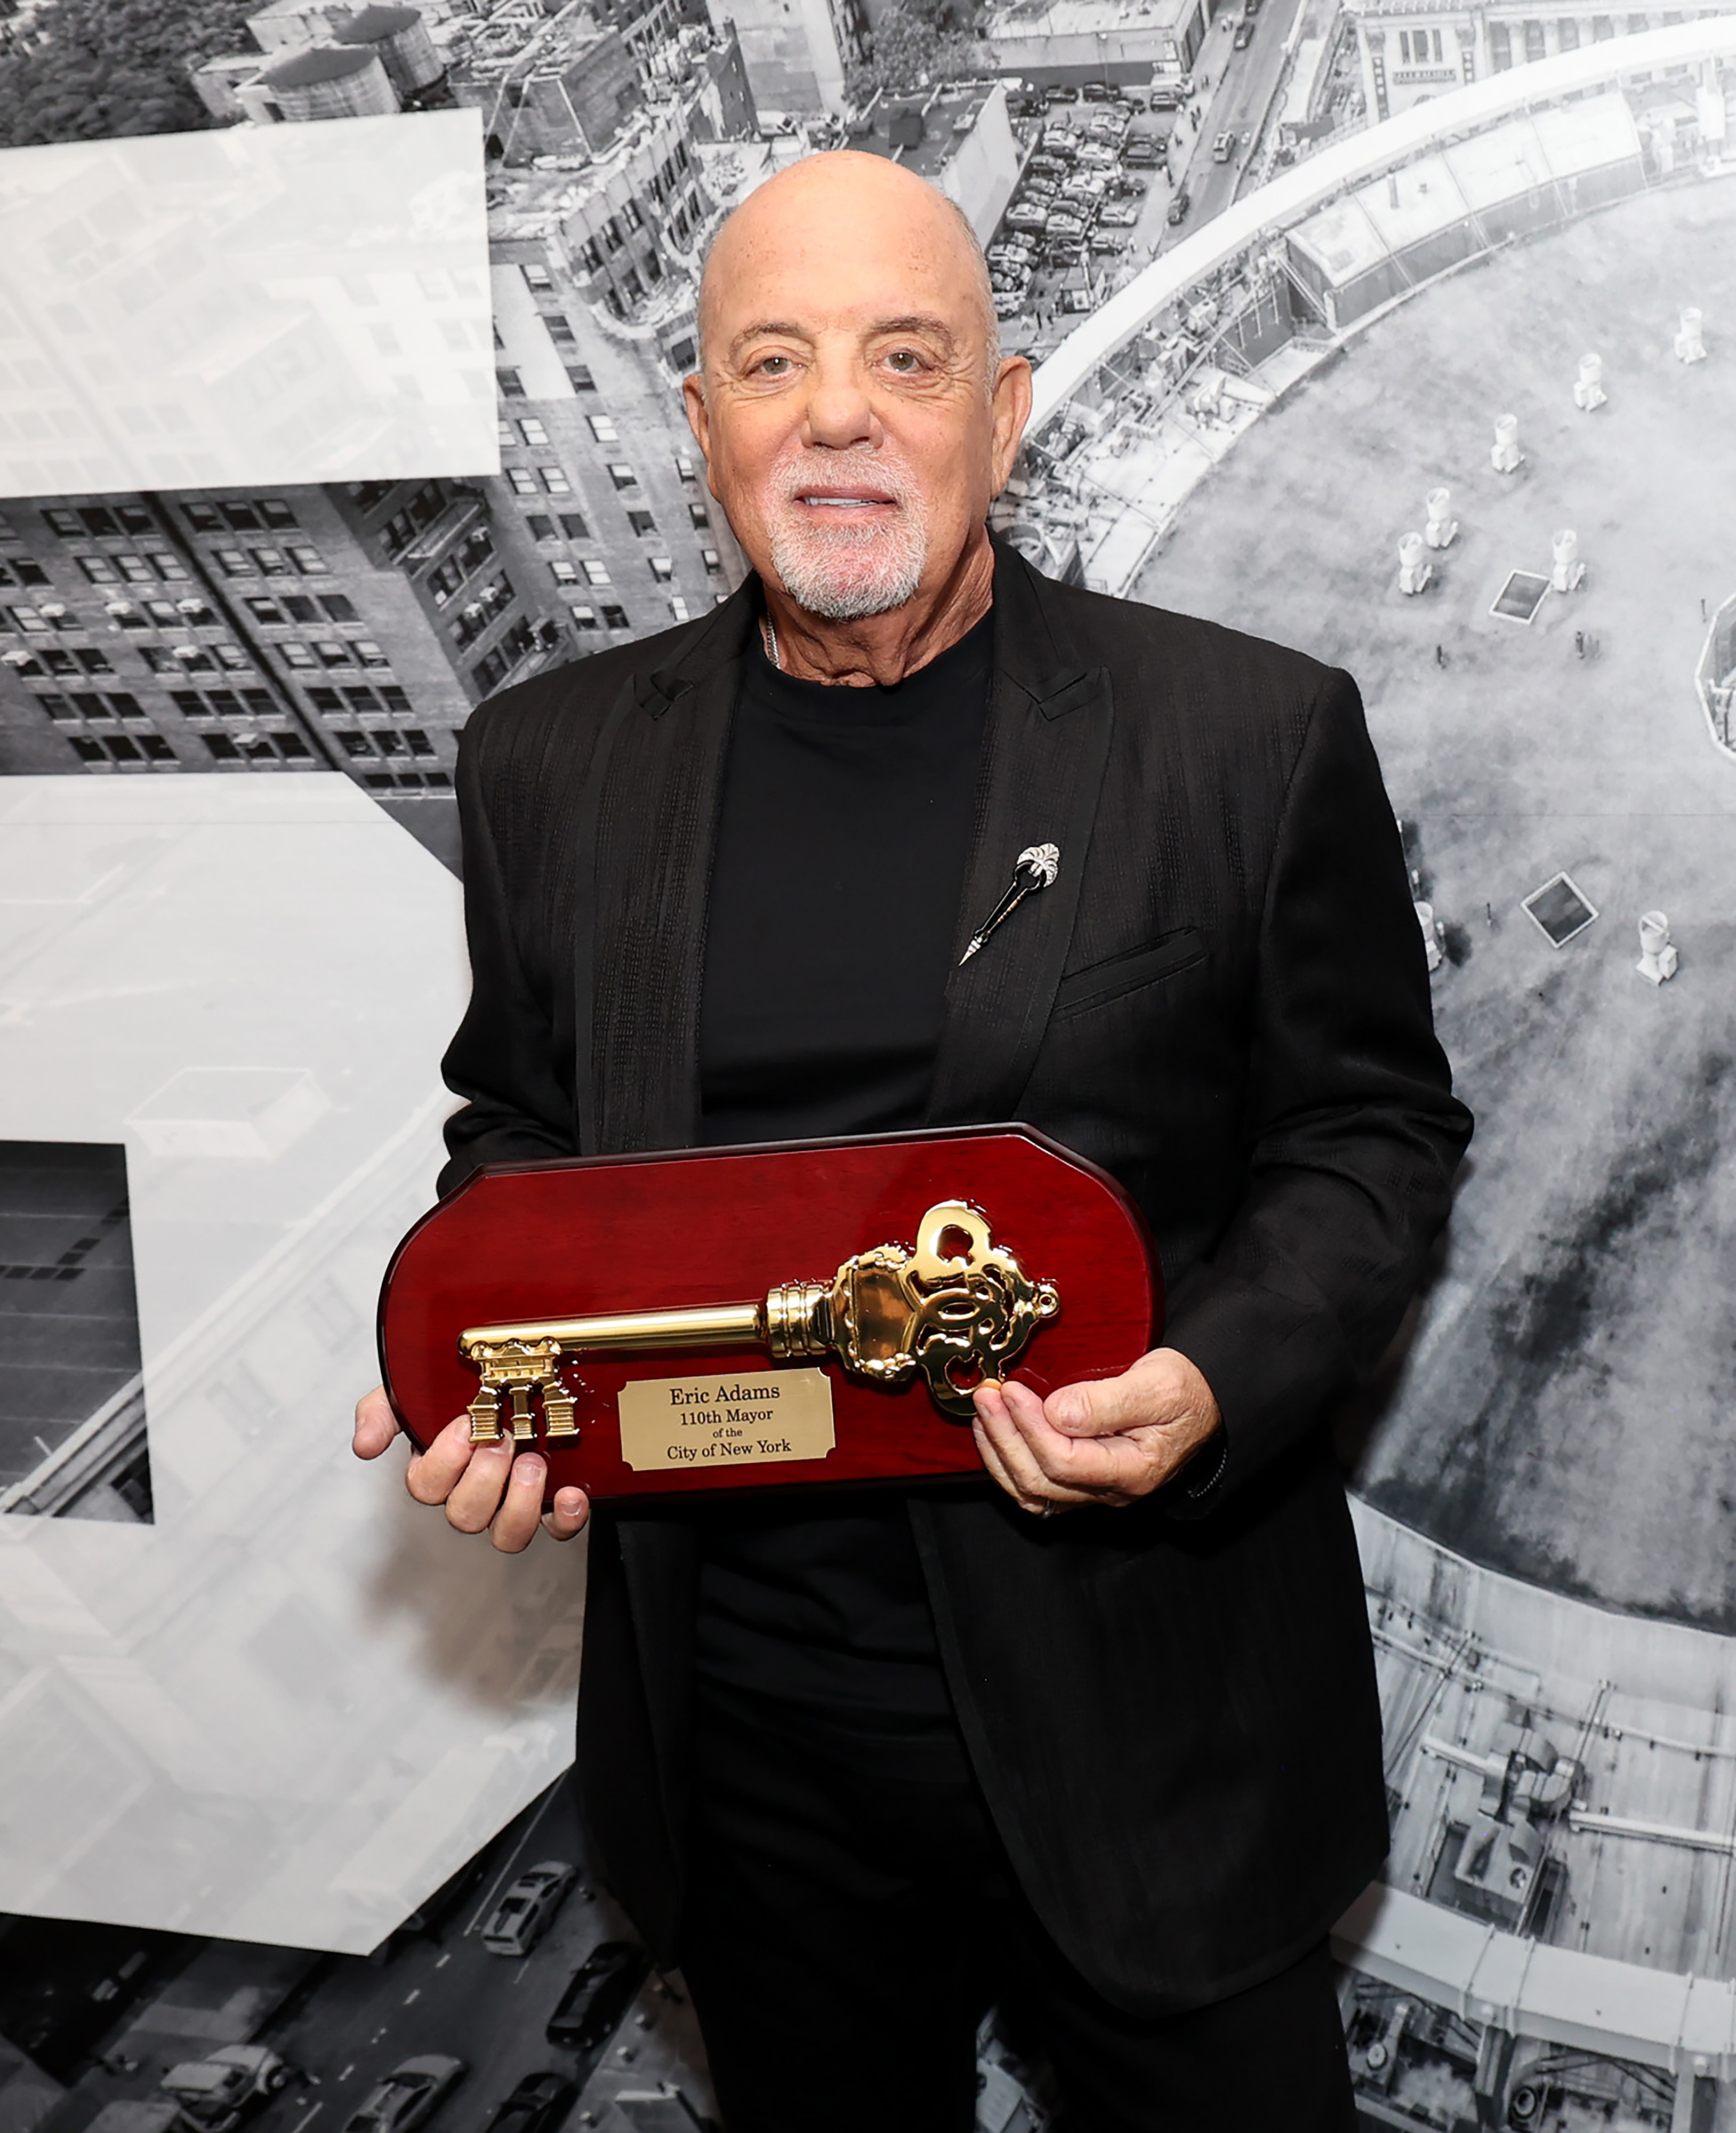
pixel 1106 1442
pixel 482 1485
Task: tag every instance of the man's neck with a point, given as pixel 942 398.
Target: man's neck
pixel 883 649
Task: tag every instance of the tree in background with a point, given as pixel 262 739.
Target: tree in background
pixel 914 44
pixel 97 69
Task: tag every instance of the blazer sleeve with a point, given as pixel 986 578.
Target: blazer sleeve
pixel 503 1061
pixel 1353 1130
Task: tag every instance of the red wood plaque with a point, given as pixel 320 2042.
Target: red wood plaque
pixel 521 1243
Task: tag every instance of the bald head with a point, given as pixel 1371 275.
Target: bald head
pixel 848 205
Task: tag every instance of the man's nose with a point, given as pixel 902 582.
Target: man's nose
pixel 840 411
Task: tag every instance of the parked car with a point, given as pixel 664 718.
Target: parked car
pixel 408 2097
pixel 526 1911
pixel 217 2092
pixel 1032 217
pixel 1179 206
pixel 1119 218
pixel 600 1993
pixel 137 2114
pixel 1144 154
pixel 1224 147
pixel 1122 187
pixel 1106 241
pixel 662 2109
pixel 1164 96
pixel 1244 37
pixel 1061 92
pixel 1076 300
pixel 539 2104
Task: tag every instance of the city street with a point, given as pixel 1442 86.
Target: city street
pixel 433 1988
pixel 444 1992
pixel 1236 89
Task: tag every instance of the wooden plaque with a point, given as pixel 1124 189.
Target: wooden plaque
pixel 561 1240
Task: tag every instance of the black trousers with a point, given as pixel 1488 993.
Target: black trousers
pixel 847 1929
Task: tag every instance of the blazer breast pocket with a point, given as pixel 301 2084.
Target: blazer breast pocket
pixel 1099 982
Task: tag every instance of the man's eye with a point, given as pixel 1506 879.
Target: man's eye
pixel 904 355
pixel 765 359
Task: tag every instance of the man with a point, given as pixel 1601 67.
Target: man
pixel 1093 1737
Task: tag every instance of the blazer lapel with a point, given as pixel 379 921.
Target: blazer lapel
pixel 1050 716
pixel 655 828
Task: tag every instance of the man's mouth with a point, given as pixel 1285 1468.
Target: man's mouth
pixel 845 500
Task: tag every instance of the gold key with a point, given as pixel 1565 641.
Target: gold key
pixel 956 1317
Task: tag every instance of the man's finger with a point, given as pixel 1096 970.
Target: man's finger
pixel 1089 1468
pixel 568 1514
pixel 992 1460
pixel 1106 1406
pixel 997 1469
pixel 474 1497
pixel 431 1476
pixel 376 1424
pixel 514 1525
pixel 1006 1453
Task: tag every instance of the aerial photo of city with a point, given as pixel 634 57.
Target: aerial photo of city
pixel 1403 331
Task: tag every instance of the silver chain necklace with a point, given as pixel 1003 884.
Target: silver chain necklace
pixel 771 642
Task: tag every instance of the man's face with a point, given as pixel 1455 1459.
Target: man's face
pixel 845 418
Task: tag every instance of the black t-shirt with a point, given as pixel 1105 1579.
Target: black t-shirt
pixel 844 829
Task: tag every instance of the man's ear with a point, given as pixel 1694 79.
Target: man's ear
pixel 699 415
pixel 1012 399
pixel 698 420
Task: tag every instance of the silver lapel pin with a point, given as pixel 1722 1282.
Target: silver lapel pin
pixel 1036 866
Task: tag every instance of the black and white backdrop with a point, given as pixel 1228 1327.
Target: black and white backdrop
pixel 339 363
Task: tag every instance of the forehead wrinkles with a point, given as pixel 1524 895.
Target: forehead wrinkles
pixel 790 267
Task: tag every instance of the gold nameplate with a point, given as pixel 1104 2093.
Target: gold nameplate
pixel 741 1418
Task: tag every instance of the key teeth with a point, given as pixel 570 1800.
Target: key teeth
pixel 513 1374
pixel 524 1423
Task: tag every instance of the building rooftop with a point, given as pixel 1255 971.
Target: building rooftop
pixel 1569 1362
pixel 923 132
pixel 1025 19
pixel 373 23
pixel 318 63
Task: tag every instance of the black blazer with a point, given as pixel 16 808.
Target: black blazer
pixel 1224 1000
